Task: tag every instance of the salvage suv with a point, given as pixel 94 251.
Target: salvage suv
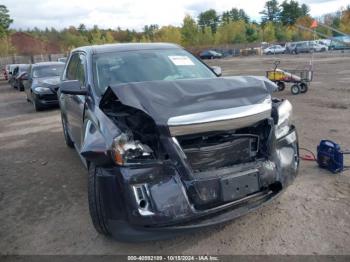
pixel 169 145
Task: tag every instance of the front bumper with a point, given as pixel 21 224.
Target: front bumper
pixel 46 99
pixel 170 208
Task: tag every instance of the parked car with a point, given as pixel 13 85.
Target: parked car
pixel 18 73
pixel 340 43
pixel 319 47
pixel 169 146
pixel 274 49
pixel 290 46
pixel 210 54
pixel 303 47
pixel 41 84
pixel 325 42
pixel 11 77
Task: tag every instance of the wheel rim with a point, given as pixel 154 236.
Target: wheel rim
pixel 295 89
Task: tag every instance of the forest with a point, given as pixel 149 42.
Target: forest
pixel 278 24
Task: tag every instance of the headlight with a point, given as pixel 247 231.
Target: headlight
pixel 285 111
pixel 128 151
pixel 41 89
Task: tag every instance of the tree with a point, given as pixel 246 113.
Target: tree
pixel 169 34
pixel 271 12
pixel 189 31
pixel 231 33
pixel 149 31
pixel 5 20
pixel 305 10
pixel 291 11
pixel 206 36
pixel 344 25
pixel 269 32
pixel 82 29
pixel 209 18
pixel 235 15
pixel 252 32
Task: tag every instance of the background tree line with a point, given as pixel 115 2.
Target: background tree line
pixel 278 24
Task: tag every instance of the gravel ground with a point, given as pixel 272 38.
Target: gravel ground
pixel 43 185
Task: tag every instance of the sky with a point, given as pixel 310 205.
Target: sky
pixel 134 14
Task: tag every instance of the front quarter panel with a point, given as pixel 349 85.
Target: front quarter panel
pixel 98 134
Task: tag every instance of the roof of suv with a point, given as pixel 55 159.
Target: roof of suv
pixel 96 49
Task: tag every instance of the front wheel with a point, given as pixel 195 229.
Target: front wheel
pixel 67 139
pixel 96 206
pixel 37 106
pixel 303 88
pixel 295 89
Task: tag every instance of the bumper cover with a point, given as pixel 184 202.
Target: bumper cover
pixel 171 210
pixel 46 99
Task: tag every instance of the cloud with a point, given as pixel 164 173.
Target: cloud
pixel 133 14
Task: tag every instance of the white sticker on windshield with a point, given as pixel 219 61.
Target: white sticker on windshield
pixel 180 60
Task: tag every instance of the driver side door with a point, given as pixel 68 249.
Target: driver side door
pixel 75 104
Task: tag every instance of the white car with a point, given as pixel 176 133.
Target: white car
pixel 274 49
pixel 319 47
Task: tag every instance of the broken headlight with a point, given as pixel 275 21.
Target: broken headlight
pixel 128 151
pixel 285 111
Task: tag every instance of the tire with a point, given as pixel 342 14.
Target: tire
pixel 281 86
pixel 96 207
pixel 303 88
pixel 67 139
pixel 37 106
pixel 269 53
pixel 295 89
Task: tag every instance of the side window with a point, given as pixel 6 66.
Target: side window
pixel 76 68
pixel 81 69
pixel 72 68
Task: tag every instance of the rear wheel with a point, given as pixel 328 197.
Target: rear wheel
pixel 281 86
pixel 295 89
pixel 303 88
pixel 96 207
pixel 68 140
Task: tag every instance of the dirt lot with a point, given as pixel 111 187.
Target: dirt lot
pixel 43 185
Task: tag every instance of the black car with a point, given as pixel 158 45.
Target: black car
pixel 210 54
pixel 170 147
pixel 18 74
pixel 41 84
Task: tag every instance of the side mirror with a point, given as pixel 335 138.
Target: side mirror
pixel 72 87
pixel 217 70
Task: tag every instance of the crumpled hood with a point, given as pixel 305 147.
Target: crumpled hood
pixel 163 100
pixel 48 81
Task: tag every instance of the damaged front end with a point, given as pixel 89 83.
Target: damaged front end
pixel 194 153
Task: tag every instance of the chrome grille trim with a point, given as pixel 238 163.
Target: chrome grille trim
pixel 220 120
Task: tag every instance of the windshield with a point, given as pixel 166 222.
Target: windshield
pixel 47 71
pixel 146 65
